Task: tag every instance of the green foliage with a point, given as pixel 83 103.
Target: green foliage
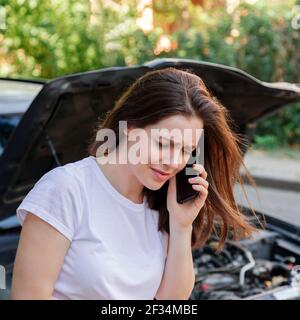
pixel 283 129
pixel 267 142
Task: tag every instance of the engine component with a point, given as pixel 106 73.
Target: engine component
pixel 245 270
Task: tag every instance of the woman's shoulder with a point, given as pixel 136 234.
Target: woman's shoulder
pixel 57 198
pixel 67 174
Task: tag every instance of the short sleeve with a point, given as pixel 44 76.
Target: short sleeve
pixel 55 198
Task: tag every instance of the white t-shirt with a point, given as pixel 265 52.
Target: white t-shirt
pixel 116 250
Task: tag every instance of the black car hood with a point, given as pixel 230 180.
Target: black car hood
pixel 57 126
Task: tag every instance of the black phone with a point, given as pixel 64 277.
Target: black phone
pixel 184 190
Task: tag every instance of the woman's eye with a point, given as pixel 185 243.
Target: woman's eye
pixel 163 145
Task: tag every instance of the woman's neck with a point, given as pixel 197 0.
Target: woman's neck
pixel 123 180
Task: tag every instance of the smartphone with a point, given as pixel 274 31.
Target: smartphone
pixel 184 190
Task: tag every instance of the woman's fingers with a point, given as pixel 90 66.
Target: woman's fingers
pixel 201 188
pixel 199 180
pixel 203 192
pixel 200 169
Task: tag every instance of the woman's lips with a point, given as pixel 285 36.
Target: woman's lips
pixel 160 175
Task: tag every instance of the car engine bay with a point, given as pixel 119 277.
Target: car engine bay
pixel 266 267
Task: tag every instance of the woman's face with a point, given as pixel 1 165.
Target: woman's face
pixel 158 153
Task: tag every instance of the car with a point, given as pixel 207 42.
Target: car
pixel 57 127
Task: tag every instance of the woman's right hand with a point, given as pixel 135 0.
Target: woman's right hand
pixel 40 254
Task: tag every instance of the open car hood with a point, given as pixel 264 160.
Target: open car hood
pixel 57 126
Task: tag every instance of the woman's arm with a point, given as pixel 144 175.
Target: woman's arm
pixel 40 254
pixel 179 277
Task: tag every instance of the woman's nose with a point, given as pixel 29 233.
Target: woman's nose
pixel 173 162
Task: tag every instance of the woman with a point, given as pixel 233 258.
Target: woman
pixel 96 230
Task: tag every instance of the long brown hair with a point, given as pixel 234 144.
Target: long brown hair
pixel 162 93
